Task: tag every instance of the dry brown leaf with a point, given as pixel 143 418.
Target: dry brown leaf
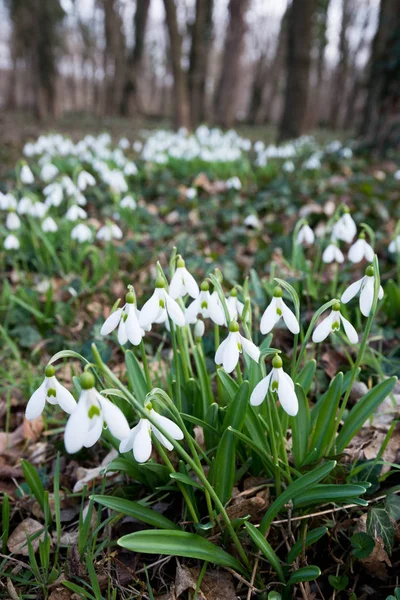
pixel 368 442
pixel 33 429
pixel 17 542
pixel 377 561
pixel 247 506
pixel 215 585
pixel 12 591
pixel 86 476
pixel 60 593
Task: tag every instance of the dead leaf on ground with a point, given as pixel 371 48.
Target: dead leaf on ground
pixel 86 476
pixel 17 542
pixel 367 444
pixel 215 585
pixel 211 187
pixel 33 429
pixel 60 593
pixel 376 563
pixel 12 591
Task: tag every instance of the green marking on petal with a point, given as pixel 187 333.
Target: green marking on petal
pixel 93 411
pixel 161 303
pixel 239 347
pixel 204 304
pixel 335 326
pixel 274 386
pixel 51 392
pixel 124 317
pixel 279 312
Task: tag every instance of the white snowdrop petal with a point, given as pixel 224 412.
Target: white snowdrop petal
pixel 329 254
pixel 170 427
pixel 127 443
pixel 177 286
pixel 349 330
pixel 356 252
pixel 132 327
pixel 250 348
pixel 122 334
pixel 36 403
pixel 287 396
pixel 64 398
pixel 368 252
pixel 290 319
pixel 114 417
pixel 95 431
pixel 150 311
pixel 322 330
pixel 351 291
pixel 77 427
pixel 175 311
pixel 193 310
pixel 269 318
pixel 367 296
pixel 191 285
pixel 260 391
pixel 142 442
pixel 215 310
pixel 231 353
pixel 219 355
pixel 380 293
pixel 111 322
pixel 162 439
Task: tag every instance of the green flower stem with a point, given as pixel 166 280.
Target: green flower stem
pixel 334 280
pixel 239 374
pixel 181 486
pixel 176 363
pixel 201 367
pixel 184 353
pixel 181 451
pixel 220 388
pixel 145 365
pixel 273 447
pixel 315 318
pixel 367 331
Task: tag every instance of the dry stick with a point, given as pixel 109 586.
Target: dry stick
pixel 253 576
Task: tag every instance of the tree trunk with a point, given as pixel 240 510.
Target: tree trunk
pixel 342 68
pixel 257 90
pixel 298 69
pixel 199 52
pixel 224 102
pixel 114 56
pixel 322 41
pixel 380 125
pixel 181 101
pixel 130 98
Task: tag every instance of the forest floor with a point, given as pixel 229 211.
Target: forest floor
pixel 55 296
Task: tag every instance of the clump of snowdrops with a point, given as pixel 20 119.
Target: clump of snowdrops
pixel 251 408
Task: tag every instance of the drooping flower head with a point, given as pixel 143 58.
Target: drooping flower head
pixel 345 228
pixel 139 438
pixel 127 321
pixel 394 245
pixel 276 310
pixel 207 305
pixel 305 235
pixel 182 282
pixel 279 383
pixel 365 286
pixel 361 250
pixel 26 175
pixel 235 307
pixel 85 425
pixel 331 324
pixel 332 254
pixel 230 349
pixel 50 391
pixel 161 306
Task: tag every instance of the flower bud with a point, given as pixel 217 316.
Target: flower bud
pixel 180 262
pixel 160 282
pixel 199 329
pixel 130 298
pixel 205 286
pixel 278 292
pixel 277 362
pixel 49 371
pixel 336 306
pixel 234 327
pixel 369 271
pixel 87 381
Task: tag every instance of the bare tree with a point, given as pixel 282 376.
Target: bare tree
pixel 181 101
pixel 298 68
pixel 130 98
pixel 321 25
pixel 381 123
pixel 114 56
pixel 199 53
pixel 225 97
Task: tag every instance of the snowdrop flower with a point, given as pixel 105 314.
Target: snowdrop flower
pixel 252 221
pixel 331 323
pixel 38 210
pixel 50 391
pixel 48 172
pixel 137 146
pixel 365 286
pixel 75 212
pixel 84 179
pixel 191 193
pixel 206 304
pixel 109 232
pixel 199 329
pixel 394 245
pixel 288 166
pixel 305 235
pixel 361 249
pixel 344 229
pixel 139 438
pixel 11 242
pixel 183 282
pixel 54 194
pixel 161 306
pixel 26 175
pixel 13 221
pixel 68 185
pixel 127 321
pixel 280 383
pixel 229 350
pixel 8 202
pixel 85 425
pixel 332 253
pixel 235 307
pixel 82 233
pixel 128 202
pixel 130 169
pixel 49 225
pixel 233 183
pixel 25 205
pixel 397 175
pixel 124 143
pixel 274 311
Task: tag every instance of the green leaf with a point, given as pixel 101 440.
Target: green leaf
pixel 305 574
pixel 236 413
pixel 393 506
pixel 274 596
pixel 306 375
pixel 362 411
pixel 324 428
pixel 136 377
pixel 229 384
pixel 301 427
pixel 362 544
pixel 135 510
pixel 33 480
pixel 178 543
pixel 311 538
pixel 380 524
pixel 224 466
pixel 294 295
pixel 186 479
pixel 339 582
pixel 293 490
pixel 266 549
pixel 318 494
